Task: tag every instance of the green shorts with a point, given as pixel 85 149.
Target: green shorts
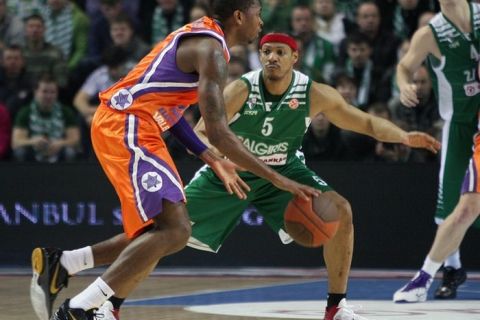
pixel 457 149
pixel 214 213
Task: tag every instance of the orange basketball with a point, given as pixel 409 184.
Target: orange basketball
pixel 308 228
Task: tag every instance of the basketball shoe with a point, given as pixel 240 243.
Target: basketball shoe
pixel 415 290
pixel 108 311
pixel 64 312
pixel 452 279
pixel 342 312
pixel 49 277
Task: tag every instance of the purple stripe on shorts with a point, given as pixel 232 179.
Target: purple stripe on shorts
pixel 152 176
pixel 470 175
pixel 162 89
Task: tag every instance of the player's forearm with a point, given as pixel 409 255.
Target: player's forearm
pixel 404 76
pixel 386 131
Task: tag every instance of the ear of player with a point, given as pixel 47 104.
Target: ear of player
pixel 311 223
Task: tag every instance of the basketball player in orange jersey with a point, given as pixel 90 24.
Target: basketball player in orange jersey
pixel 190 65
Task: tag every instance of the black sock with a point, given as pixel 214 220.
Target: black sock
pixel 335 298
pixel 116 302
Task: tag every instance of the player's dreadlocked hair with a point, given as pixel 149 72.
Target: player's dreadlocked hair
pixel 223 9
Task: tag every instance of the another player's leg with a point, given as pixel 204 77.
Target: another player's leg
pixel 169 234
pixel 51 268
pixel 448 238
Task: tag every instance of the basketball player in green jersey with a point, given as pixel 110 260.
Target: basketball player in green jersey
pixel 270 110
pixel 450 45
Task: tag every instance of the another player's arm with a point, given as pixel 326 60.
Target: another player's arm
pixel 207 59
pixel 327 100
pixel 422 44
pixel 235 95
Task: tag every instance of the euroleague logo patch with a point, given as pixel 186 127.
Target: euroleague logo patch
pixel 152 181
pixel 121 100
pixel 293 104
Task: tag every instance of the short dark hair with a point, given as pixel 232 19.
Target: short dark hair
pixel 123 19
pixel 114 56
pixel 45 78
pixel 34 16
pixel 358 38
pixel 224 9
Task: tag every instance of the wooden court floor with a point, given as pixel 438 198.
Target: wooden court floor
pixel 15 302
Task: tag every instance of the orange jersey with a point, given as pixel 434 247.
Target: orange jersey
pixel 127 127
pixel 471 182
pixel 155 88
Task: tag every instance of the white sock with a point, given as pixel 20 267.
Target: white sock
pixel 453 260
pixel 93 296
pixel 77 260
pixel 431 267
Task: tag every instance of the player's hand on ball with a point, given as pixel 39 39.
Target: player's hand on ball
pixel 417 139
pixel 297 189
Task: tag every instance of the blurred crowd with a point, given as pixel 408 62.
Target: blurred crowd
pixel 57 55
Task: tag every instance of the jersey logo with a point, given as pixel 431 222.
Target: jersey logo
pixel 121 100
pixel 472 89
pixel 251 103
pixel 151 181
pixel 293 104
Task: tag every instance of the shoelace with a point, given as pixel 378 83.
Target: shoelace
pixel 351 308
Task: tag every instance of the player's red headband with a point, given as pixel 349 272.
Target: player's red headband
pixel 281 38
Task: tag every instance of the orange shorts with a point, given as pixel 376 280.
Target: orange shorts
pixel 136 160
pixel 471 182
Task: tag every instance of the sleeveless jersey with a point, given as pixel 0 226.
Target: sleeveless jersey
pixel 155 88
pixel 273 131
pixel 454 76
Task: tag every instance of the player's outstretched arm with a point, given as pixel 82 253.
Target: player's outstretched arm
pixel 327 100
pixel 212 69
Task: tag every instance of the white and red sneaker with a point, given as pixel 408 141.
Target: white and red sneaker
pixel 342 312
pixel 108 312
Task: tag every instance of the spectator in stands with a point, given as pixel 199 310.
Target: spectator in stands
pixel 198 10
pixel 15 85
pixel 45 131
pixel 86 99
pixel 168 15
pixel 41 56
pixel 5 131
pixel 123 35
pixel 11 27
pixel 323 140
pixel 348 7
pixel 99 35
pixel 318 56
pixel 347 87
pixel 132 7
pixel 276 15
pixel 236 67
pixel 330 24
pixel 25 8
pixel 371 86
pixel 67 29
pixel 425 116
pixel 405 19
pixel 383 42
pixel 385 152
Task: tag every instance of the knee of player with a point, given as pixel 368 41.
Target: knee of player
pixel 465 213
pixel 182 232
pixel 344 210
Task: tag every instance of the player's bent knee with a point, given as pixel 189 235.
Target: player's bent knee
pixel 464 215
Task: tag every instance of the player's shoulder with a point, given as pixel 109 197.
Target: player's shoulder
pixel 324 91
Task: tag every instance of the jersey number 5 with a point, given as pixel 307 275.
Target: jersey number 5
pixel 267 126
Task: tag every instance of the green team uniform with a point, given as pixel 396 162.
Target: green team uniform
pixel 272 128
pixel 458 93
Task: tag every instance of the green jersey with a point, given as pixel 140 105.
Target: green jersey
pixel 273 129
pixel 454 75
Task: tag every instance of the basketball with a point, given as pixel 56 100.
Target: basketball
pixel 308 228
